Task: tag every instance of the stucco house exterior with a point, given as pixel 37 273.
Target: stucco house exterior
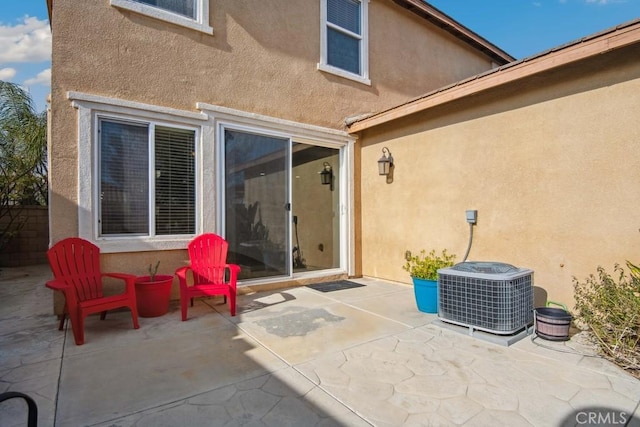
pixel 169 118
pixel 173 118
pixel 545 149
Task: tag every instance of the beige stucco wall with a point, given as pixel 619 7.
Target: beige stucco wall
pixel 262 58
pixel 551 164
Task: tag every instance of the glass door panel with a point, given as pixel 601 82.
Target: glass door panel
pixel 257 203
pixel 315 193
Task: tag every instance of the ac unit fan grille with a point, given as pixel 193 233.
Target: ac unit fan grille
pixel 494 305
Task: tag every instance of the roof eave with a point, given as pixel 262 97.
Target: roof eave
pixel 49 9
pixel 616 38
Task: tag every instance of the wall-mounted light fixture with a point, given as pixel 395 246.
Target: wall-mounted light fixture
pixel 385 163
pixel 326 175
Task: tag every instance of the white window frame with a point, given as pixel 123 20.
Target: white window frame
pixel 201 23
pixel 323 65
pixel 91 109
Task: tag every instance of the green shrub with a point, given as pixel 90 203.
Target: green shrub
pixel 426 265
pixel 609 306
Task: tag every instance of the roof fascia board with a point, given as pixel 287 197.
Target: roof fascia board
pixel 442 20
pixel 510 73
pixel 49 10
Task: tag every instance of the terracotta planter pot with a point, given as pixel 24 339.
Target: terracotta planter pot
pixel 152 297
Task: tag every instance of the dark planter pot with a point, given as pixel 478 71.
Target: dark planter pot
pixel 153 297
pixel 552 323
pixel 426 293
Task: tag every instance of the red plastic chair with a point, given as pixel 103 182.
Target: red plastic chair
pixel 75 264
pixel 208 256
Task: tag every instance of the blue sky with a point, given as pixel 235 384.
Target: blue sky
pixel 524 27
pixel 25 47
pixel 520 27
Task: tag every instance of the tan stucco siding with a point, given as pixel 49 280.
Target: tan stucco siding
pixel 550 164
pixel 262 58
pixel 62 173
pixel 407 61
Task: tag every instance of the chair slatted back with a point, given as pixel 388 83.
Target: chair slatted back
pixel 208 256
pixel 76 262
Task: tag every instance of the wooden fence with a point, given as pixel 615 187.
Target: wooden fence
pixel 29 246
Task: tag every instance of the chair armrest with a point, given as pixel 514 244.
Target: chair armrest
pixel 70 298
pixel 57 286
pixel 182 275
pixel 234 269
pixel 129 280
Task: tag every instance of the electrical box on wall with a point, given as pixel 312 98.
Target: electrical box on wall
pixel 472 216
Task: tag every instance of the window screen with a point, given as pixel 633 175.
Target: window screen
pixel 175 184
pixel 124 178
pixel 345 14
pixel 344 34
pixel 128 176
pixel 343 51
pixel 181 7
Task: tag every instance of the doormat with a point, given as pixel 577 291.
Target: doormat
pixel 335 286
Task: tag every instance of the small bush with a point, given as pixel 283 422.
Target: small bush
pixel 609 306
pixel 426 265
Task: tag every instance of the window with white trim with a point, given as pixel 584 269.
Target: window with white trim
pixel 146 179
pixel 344 44
pixel 187 13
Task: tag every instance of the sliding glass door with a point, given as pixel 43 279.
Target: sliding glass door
pixel 282 205
pixel 316 215
pixel 257 207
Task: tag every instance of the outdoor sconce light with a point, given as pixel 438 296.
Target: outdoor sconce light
pixel 385 163
pixel 326 174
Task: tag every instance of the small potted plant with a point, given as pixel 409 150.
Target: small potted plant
pixel 153 292
pixel 423 269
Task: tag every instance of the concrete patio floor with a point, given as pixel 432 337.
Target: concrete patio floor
pixel 293 357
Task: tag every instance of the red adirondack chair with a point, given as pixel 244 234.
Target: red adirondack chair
pixel 208 256
pixel 75 264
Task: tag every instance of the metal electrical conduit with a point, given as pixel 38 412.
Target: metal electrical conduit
pixel 472 218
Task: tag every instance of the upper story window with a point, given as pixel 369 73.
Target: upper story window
pixel 344 44
pixel 187 13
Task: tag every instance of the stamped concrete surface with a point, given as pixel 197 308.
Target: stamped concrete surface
pixel 292 357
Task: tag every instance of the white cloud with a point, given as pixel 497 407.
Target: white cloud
pixel 27 41
pixel 6 74
pixel 43 78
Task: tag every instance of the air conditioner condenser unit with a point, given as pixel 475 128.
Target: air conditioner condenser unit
pixel 488 296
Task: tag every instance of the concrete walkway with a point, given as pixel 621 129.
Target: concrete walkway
pixel 294 357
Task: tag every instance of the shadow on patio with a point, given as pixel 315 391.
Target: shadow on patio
pixel 362 356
